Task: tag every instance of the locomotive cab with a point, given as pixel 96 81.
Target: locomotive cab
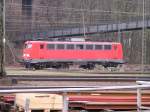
pixel 117 51
pixel 33 52
pixel 27 50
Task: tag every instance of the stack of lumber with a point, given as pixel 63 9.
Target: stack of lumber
pixel 32 101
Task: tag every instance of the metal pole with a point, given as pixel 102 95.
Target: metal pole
pixel 65 102
pixel 27 104
pixel 3 42
pixel 138 100
pixel 83 20
pixel 143 42
pixel 119 33
pixel 84 25
pixel 15 104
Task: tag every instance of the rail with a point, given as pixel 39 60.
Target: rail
pixel 76 78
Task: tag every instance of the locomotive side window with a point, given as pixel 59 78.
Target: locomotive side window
pixel 98 47
pixel 79 46
pixel 51 46
pixel 70 46
pixel 89 47
pixel 60 46
pixel 107 47
pixel 41 46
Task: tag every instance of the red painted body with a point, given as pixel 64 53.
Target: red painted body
pixel 33 52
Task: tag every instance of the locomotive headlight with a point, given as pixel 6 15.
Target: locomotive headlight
pixel 28 55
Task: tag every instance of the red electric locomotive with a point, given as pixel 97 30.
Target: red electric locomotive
pixel 58 54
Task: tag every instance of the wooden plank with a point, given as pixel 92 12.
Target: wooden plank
pixel 40 101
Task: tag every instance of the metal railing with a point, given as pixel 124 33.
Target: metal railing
pixel 114 27
pixel 139 96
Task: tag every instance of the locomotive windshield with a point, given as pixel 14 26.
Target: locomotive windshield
pixel 27 46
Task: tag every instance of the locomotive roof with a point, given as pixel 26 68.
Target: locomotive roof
pixel 73 42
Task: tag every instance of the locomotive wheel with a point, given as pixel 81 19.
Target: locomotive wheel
pixel 90 66
pixel 29 66
pixel 36 67
pixel 66 66
pixel 62 66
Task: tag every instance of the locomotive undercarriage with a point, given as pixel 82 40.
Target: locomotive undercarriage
pixel 67 65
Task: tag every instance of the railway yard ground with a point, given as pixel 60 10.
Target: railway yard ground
pixel 73 71
pixel 92 101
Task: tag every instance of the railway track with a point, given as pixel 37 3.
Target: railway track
pixel 78 78
pixel 100 100
pixel 72 72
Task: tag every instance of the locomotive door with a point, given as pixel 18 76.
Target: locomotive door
pixel 41 51
pixel 115 52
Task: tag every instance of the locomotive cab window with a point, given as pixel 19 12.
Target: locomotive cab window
pixel 70 46
pixel 41 46
pixel 98 47
pixel 60 46
pixel 51 46
pixel 107 47
pixel 79 46
pixel 89 47
pixel 27 46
